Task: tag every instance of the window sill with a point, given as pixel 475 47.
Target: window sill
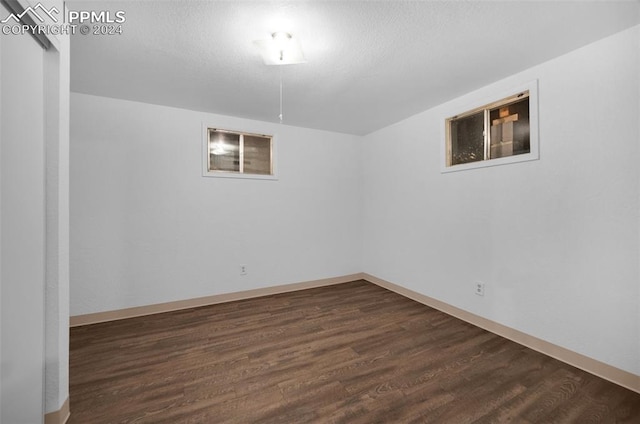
pixel 239 176
pixel 492 162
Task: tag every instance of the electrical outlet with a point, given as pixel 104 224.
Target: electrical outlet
pixel 243 270
pixel 480 289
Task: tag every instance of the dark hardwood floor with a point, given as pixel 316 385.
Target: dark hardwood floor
pixel 351 353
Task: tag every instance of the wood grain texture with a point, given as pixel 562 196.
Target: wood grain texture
pixel 349 353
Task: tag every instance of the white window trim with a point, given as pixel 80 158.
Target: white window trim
pixel 236 175
pixel 485 97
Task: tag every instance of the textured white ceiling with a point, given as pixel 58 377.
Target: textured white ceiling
pixel 370 64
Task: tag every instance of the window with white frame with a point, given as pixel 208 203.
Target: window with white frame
pixel 502 131
pixel 233 153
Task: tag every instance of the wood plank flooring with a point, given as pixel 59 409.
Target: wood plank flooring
pixel 351 353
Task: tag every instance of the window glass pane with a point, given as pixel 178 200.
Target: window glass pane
pixel 224 151
pixel 510 129
pixel 502 131
pixel 467 139
pixel 257 155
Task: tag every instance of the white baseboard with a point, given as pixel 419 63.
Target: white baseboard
pixel 590 365
pixel 94 318
pixel 60 416
pixel 615 375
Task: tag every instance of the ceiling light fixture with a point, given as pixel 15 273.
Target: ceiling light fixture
pixel 281 49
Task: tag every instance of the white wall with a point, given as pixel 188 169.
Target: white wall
pixel 555 240
pixel 146 227
pixel 57 221
pixel 22 219
pixel 3 10
pixel 35 169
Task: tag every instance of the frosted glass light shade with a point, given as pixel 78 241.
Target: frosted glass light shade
pixel 280 49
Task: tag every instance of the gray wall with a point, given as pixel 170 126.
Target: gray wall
pixel 554 240
pixel 22 225
pixel 147 227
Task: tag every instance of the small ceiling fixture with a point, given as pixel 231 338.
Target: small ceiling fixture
pixel 281 49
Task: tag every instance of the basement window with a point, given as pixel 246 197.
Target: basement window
pixel 238 154
pixel 499 132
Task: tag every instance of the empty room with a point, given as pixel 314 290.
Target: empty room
pixel 320 211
